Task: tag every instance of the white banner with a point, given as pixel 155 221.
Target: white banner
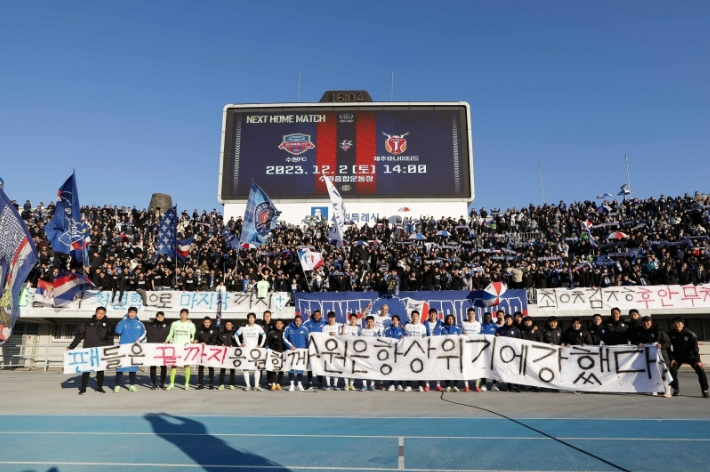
pixel 651 297
pixel 232 302
pixel 590 368
pixel 145 355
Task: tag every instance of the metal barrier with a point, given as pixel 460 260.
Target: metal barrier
pixel 32 356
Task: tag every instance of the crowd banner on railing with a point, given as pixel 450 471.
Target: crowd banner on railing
pixel 168 301
pixel 649 297
pixel 589 368
pixel 447 302
pixel 626 369
pixel 145 355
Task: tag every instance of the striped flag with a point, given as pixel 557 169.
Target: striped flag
pixel 68 285
pixel 183 248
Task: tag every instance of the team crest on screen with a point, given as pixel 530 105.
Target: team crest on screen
pixel 297 143
pixel 263 214
pixel 396 144
pixel 347 118
pixel 346 144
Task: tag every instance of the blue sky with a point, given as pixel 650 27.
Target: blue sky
pixel 131 93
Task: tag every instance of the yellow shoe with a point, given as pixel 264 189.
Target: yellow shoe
pixel 278 387
pixel 273 387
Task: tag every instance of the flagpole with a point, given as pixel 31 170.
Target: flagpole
pixel 628 177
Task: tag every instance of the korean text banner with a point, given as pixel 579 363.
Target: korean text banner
pixel 589 368
pixel 650 297
pixel 450 302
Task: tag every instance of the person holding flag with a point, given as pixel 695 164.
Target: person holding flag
pixel 65 231
pixel 260 217
pixel 335 237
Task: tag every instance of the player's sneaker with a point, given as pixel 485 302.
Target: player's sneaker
pixel 448 389
pixel 391 388
pixel 154 387
pixel 494 388
pixel 100 390
pixel 328 389
pixel 232 387
pixel 116 389
pixel 408 389
pixel 187 387
pixel 291 388
pixel 439 388
pixel 455 389
pixel 466 389
pixel 258 389
pixel 364 388
pixel 82 391
pixel 399 388
pixel 273 387
pixel 372 388
pixel 300 388
pixel 706 394
pixel 426 389
pixel 170 387
pixel 482 388
pixel 221 387
pixel 132 388
pixel 382 387
pixel 337 389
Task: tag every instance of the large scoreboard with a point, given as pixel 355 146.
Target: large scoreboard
pixel 391 150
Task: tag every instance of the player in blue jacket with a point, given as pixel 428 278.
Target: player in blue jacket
pixel 296 337
pixel 131 331
pixel 315 325
pixel 489 327
pixel 451 329
pixel 433 327
pixel 395 331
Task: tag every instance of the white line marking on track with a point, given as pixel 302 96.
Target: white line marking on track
pixel 268 467
pixel 354 436
pixel 400 458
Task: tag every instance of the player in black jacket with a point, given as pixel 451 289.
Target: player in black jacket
pixel 225 338
pixel 207 336
pixel 509 330
pixel 275 341
pixel 156 333
pixel 616 329
pixel 528 331
pixel 597 329
pixel 648 333
pixel 575 335
pixel 685 350
pixel 552 333
pixel 95 333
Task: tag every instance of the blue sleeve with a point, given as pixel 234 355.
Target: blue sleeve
pixel 428 331
pixel 287 341
pixel 120 326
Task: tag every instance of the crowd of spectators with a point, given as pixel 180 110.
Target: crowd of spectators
pixel 665 241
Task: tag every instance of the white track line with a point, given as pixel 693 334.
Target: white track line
pixel 353 436
pixel 400 458
pixel 269 467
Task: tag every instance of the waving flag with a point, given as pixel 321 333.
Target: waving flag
pixel 17 257
pixel 335 237
pixel 310 260
pixel 64 231
pixel 260 217
pixel 231 240
pixel 183 248
pixel 68 285
pixel 167 234
pixel 80 247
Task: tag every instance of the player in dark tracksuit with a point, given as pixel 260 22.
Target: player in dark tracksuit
pixel 207 336
pixel 95 333
pixel 552 333
pixel 576 335
pixel 684 350
pixel 648 333
pixel 275 342
pixel 616 329
pixel 509 330
pixel 225 338
pixel 597 329
pixel 156 333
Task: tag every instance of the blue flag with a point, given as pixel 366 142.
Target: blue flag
pixel 231 240
pixel 167 234
pixel 260 217
pixel 63 231
pixel 80 248
pixel 17 257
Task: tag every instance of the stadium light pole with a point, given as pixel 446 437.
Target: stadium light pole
pixel 542 185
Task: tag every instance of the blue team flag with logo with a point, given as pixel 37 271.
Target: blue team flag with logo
pixel 260 217
pixel 64 229
pixel 167 234
pixel 17 257
pixel 80 247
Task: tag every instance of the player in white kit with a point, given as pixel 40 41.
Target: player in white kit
pixel 371 332
pixel 383 321
pixel 351 329
pixel 331 328
pixel 471 327
pixel 251 335
pixel 414 329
